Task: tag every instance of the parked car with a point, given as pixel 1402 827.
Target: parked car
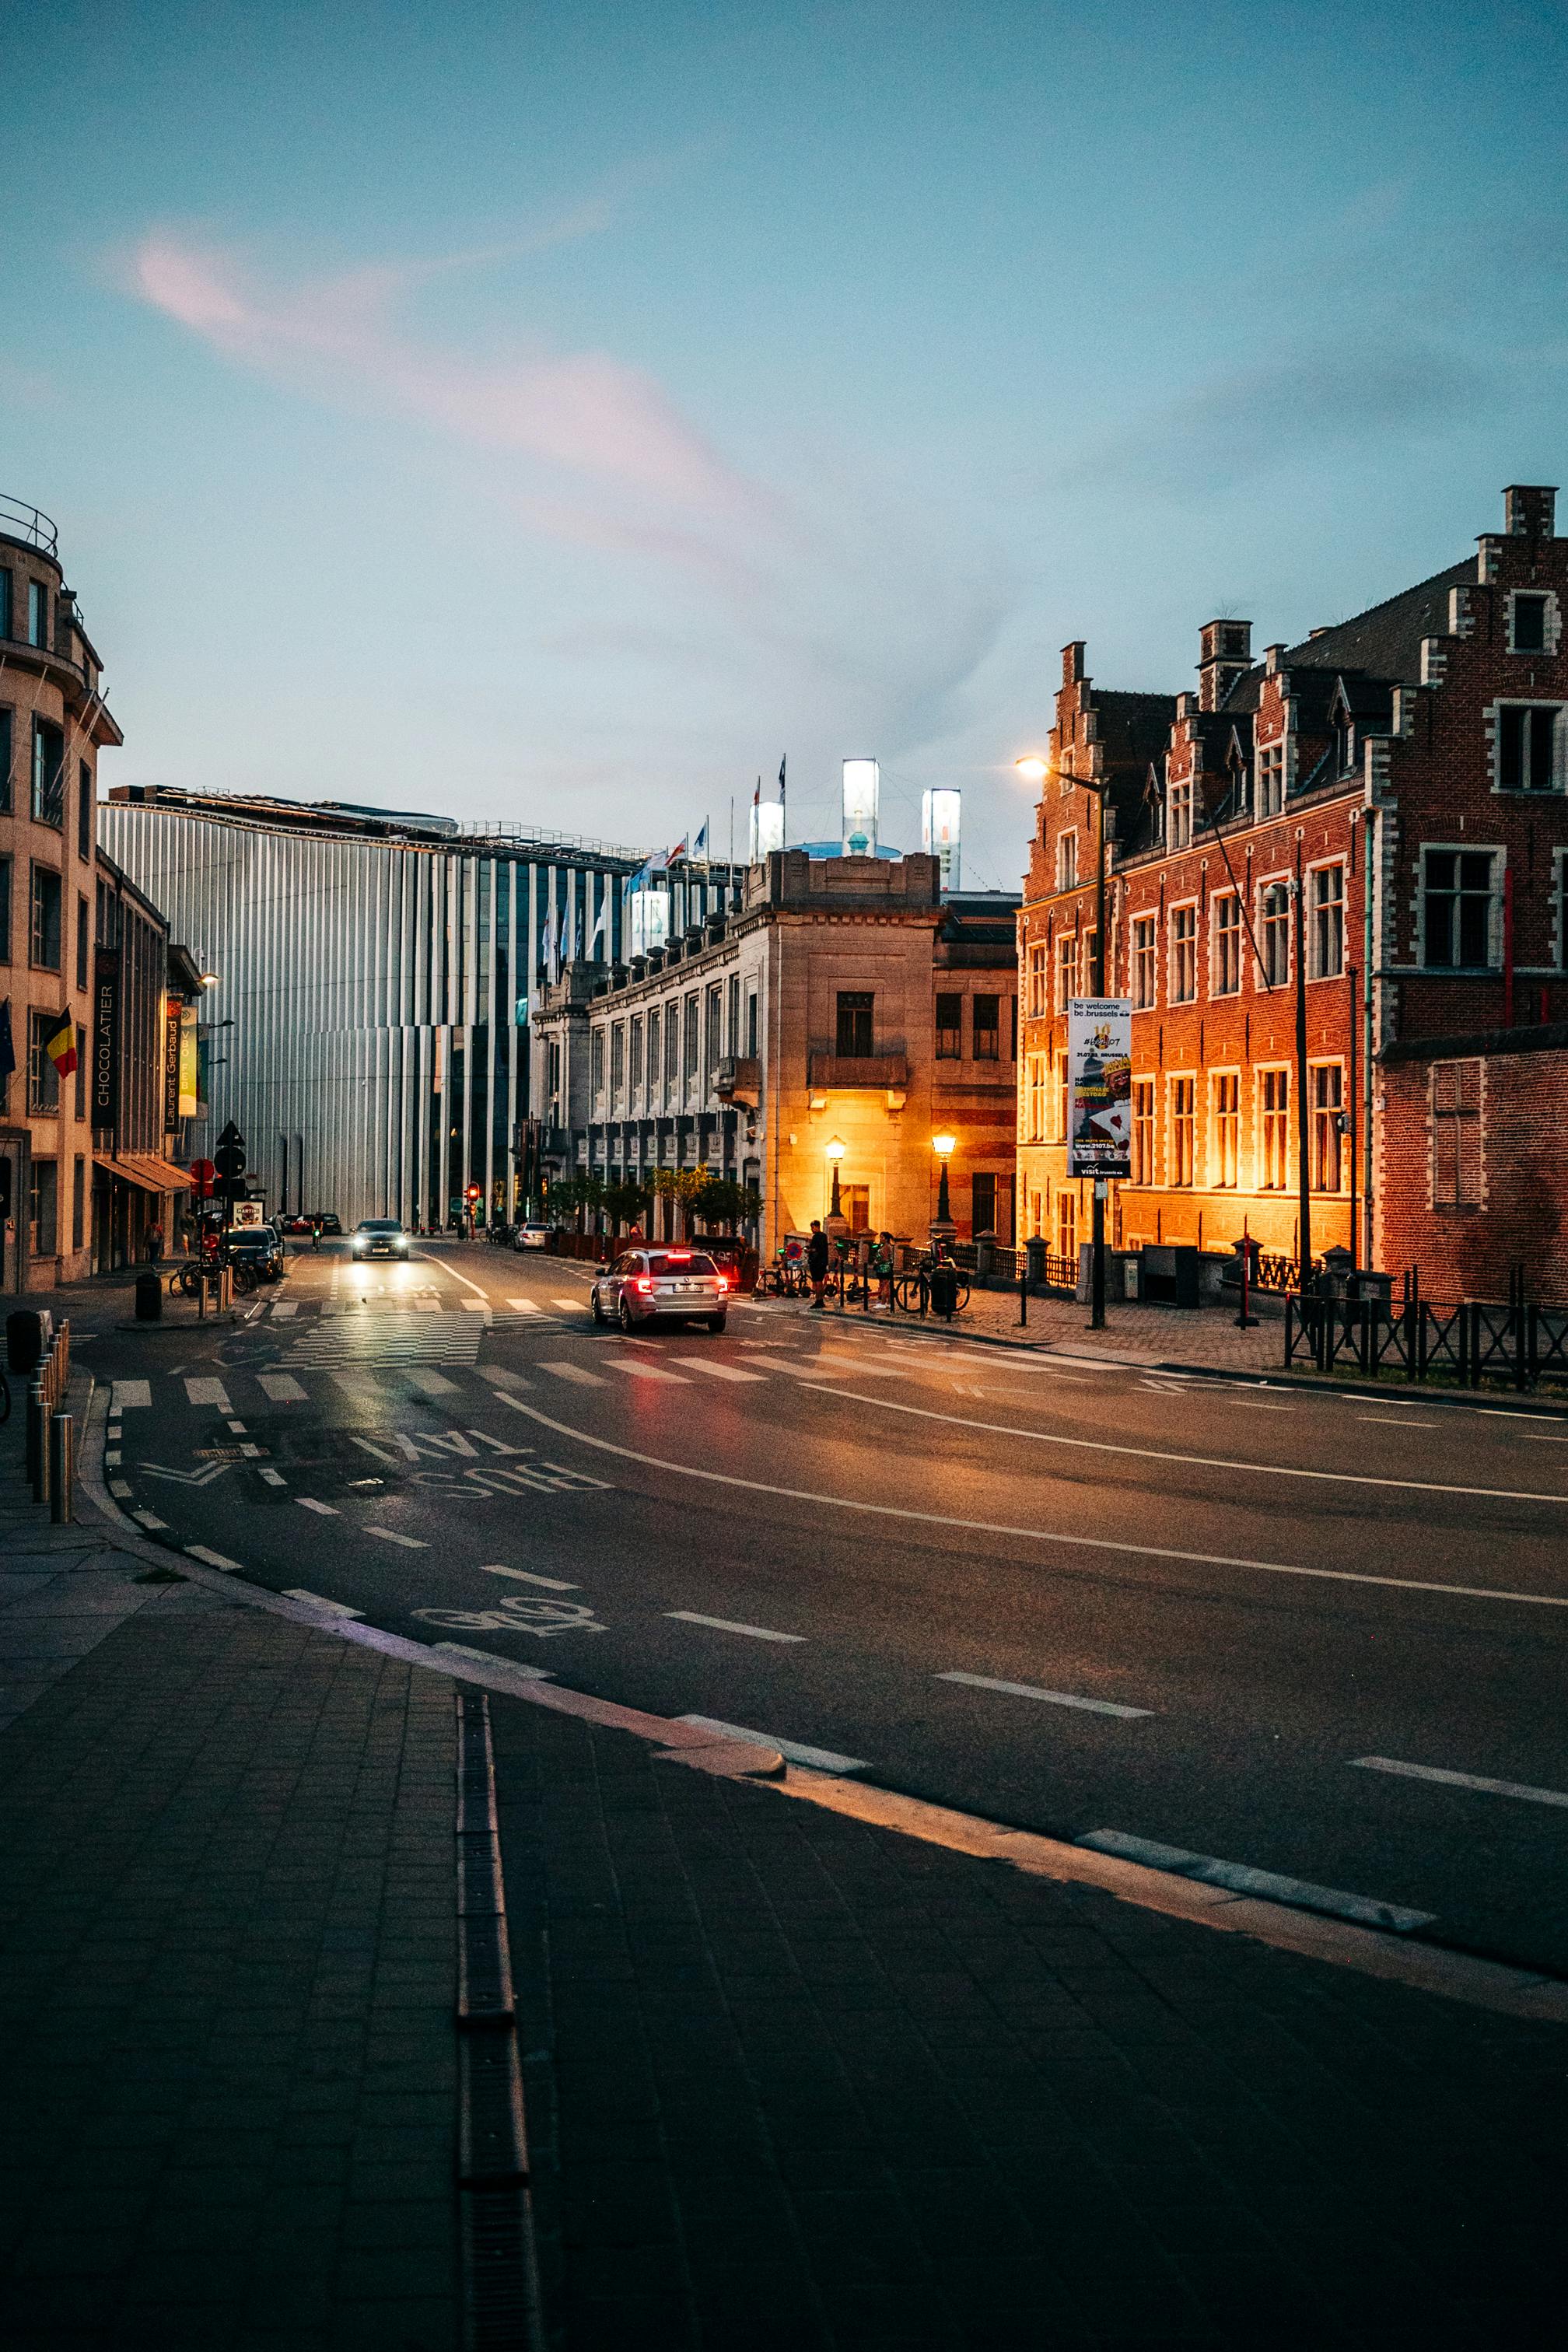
pixel 259 1247
pixel 379 1237
pixel 327 1219
pixel 533 1235
pixel 671 1286
pixel 733 1255
pixel 295 1225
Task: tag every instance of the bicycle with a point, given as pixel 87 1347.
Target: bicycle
pixel 4 1398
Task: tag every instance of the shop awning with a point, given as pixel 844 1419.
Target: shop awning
pixel 143 1168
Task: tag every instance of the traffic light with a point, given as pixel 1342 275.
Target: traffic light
pixel 472 1193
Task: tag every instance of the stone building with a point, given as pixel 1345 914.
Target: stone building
pixel 1379 813
pixel 845 1001
pixel 53 724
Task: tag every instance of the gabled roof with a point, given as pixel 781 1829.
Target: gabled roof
pixel 1385 640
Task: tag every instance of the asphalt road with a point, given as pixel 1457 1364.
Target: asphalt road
pixel 1215 1602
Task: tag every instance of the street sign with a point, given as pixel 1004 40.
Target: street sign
pixel 202 1175
pixel 1099 1064
pixel 229 1157
pixel 249 1212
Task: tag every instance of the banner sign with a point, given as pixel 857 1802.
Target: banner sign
pixel 105 1042
pixel 247 1213
pixel 189 1102
pixel 1099 1079
pixel 170 1065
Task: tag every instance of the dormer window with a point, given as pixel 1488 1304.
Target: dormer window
pixel 1344 744
pixel 1271 780
pixel 1179 827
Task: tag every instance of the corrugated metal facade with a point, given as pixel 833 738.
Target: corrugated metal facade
pixel 377 1064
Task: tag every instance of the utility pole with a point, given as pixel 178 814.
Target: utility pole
pixel 1100 1183
pixel 1304 1134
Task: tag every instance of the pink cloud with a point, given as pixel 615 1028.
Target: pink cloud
pixel 338 338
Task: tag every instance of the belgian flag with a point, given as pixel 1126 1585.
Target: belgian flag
pixel 60 1046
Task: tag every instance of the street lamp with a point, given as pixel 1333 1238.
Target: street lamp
pixel 834 1150
pixel 210 979
pixel 1038 770
pixel 945 1145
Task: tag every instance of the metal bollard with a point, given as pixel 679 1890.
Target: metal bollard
pixel 39 1424
pixel 64 1354
pixel 62 1467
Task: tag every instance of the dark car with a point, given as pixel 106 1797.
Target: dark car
pixel 379 1237
pixel 326 1221
pixel 259 1247
pixel 297 1224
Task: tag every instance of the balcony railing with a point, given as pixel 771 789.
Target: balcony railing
pixel 841 1073
pixel 20 520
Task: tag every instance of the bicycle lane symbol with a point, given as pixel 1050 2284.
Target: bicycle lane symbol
pixel 544 1618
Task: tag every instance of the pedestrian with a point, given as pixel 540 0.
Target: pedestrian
pixel 863 1262
pixel 884 1269
pixel 153 1237
pixel 816 1262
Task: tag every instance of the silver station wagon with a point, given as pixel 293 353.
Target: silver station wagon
pixel 662 1285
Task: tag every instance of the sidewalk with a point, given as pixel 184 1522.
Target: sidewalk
pixel 1135 1334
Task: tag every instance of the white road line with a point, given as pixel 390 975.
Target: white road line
pixel 128 1393
pixel 642 1371
pixel 1252 1404
pixel 208 1392
pixel 572 1304
pixel 525 1575
pixel 1542 1436
pixel 727 1625
pixel 1056 1698
pixel 1195 1461
pixel 1244 1880
pixel 821 1759
pixel 120 1488
pixel 284 1309
pixel 281 1386
pixel 238 1427
pixel 719 1372
pixel 503 1379
pixel 361 1386
pixel 273 1477
pixel 430 1383
pixel 149 1520
pixel 524 1306
pixel 476 1306
pixel 316 1600
pixel 409 1543
pixel 491 1658
pixel 1033 1535
pixel 567 1373
pixel 1463 1781
pixel 112 1458
pixel 215 1559
pixel 868 1371
pixel 1397 1421
pixel 309 1503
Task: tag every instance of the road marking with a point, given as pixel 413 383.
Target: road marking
pixel 519 1615
pixel 639 1370
pixel 1247 1404
pixel 1540 1436
pixel 284 1309
pixel 111 1459
pixel 1031 1535
pixel 359 1386
pixel 208 1392
pixel 430 1383
pixel 215 1559
pixel 1243 1880
pixel 309 1503
pixel 719 1372
pixel 203 1478
pixel 273 1477
pixel 1195 1461
pixel 422 1305
pixel 409 1543
pixel 120 1488
pixel 492 1658
pixel 499 1380
pixel 127 1393
pixel 1056 1698
pixel 316 1600
pixel 869 1371
pixel 476 1306
pixel 567 1373
pixel 281 1386
pixel 573 1303
pixel 525 1575
pixel 727 1625
pixel 524 1306
pixel 1462 1780
pixel 149 1520
pixel 822 1760
pixel 1397 1421
pixel 238 1427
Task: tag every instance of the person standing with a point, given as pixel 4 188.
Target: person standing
pixel 884 1269
pixel 153 1237
pixel 816 1262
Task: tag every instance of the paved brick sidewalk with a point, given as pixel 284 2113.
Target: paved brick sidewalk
pixel 227 1978
pixel 1144 1334
pixel 797 2083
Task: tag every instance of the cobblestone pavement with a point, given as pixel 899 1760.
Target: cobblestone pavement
pixel 799 2082
pixel 1152 1335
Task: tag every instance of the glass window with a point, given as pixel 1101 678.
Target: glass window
pixel 1529 625
pixel 48 774
pixel 752 1026
pixel 988 1028
pixel 5 910
pixel 1183 1129
pixel 81 1104
pixel 1035 1097
pixel 732 1023
pixel 83 809
pixel 1274 906
pixel 1143 981
pixel 1180 819
pixel 617 1060
pixel 1273 1129
pixel 855 1032
pixel 671 1048
pixel 1326 885
pixel 1061 1069
pixel 1529 746
pixel 983 1204
pixel 1183 954
pixel 46 935
pixel 78 1201
pixel 635 1072
pixel 1458 909
pixel 1039 981
pixel 1227 945
pixel 1067 971
pixel 1226 1129
pixel 690 1027
pixel 949 1028
pixel 43 1078
pixel 596 1063
pixel 1328 1102
pixel 1142 1131
pixel 679 1262
pixel 37 614
pixel 7 592
pixel 1271 780
pixel 82 936
pixel 1066 1227
pixel 1067 861
pixel 715 1040
pixel 41 1208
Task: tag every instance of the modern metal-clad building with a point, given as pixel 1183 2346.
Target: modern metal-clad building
pixel 373 975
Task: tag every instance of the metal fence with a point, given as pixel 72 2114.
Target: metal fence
pixel 1462 1342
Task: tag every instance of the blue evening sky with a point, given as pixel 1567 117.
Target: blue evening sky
pixel 555 412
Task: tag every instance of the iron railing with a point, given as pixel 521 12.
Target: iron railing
pixel 20 520
pixel 1463 1342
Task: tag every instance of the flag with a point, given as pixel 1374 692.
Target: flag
pixel 782 763
pixel 599 921
pixel 757 795
pixel 7 1050
pixel 700 846
pixel 679 851
pixel 60 1046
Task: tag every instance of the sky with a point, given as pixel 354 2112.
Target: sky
pixel 555 413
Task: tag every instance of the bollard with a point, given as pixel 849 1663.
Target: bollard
pixel 37 1412
pixel 62 1467
pixel 65 1355
pixel 35 1435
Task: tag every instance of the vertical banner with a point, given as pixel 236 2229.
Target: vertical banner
pixel 1099 1076
pixel 170 1065
pixel 105 1042
pixel 189 1103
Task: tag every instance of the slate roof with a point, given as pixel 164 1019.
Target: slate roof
pixel 1386 641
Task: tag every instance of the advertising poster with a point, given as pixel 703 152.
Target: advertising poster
pixel 1100 1082
pixel 105 1065
pixel 188 1100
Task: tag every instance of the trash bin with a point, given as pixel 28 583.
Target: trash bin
pixel 943 1290
pixel 148 1298
pixel 28 1332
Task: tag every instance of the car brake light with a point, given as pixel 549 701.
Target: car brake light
pixel 642 1283
pixel 722 1281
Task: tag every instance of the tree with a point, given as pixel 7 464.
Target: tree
pixel 721 1202
pixel 680 1186
pixel 624 1203
pixel 571 1196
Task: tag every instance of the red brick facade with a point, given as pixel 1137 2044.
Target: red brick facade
pixel 1408 769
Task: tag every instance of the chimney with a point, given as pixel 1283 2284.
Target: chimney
pixel 1072 661
pixel 1224 651
pixel 1529 510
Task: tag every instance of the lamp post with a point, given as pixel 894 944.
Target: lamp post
pixel 835 1150
pixel 942 1227
pixel 1038 769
